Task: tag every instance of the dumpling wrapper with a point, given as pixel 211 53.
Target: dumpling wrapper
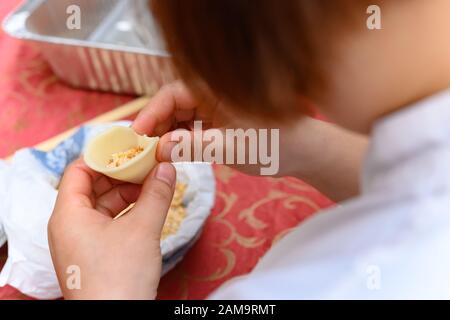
pixel 119 139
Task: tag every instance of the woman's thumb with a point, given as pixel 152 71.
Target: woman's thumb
pixel 151 208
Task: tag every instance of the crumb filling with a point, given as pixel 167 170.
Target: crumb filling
pixel 119 158
pixel 177 212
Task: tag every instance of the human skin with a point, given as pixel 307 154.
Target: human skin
pixel 109 253
pixel 334 170
pixel 379 72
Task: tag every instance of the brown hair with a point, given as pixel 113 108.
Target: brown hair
pixel 260 56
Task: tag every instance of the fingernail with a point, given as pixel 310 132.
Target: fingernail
pixel 165 172
pixel 166 151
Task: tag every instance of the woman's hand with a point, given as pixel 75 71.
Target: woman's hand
pixel 320 153
pixel 113 259
pixel 174 107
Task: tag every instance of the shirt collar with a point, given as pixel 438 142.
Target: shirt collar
pixel 410 149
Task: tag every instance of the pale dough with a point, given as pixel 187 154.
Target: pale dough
pixel 119 139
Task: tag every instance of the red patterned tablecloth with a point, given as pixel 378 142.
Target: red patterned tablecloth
pixel 250 214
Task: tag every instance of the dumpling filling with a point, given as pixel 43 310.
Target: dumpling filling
pixel 119 158
pixel 177 212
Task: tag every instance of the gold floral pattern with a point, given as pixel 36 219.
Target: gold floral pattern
pixel 250 215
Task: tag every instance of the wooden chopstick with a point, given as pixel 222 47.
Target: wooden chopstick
pixel 119 113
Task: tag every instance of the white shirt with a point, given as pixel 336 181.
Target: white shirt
pixel 391 242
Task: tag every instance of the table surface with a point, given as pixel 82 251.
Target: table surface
pixel 249 216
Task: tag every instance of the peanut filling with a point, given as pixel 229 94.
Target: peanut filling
pixel 177 212
pixel 119 158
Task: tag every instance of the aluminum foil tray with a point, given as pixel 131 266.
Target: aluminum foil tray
pixel 116 48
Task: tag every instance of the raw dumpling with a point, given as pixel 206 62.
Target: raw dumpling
pixel 122 154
